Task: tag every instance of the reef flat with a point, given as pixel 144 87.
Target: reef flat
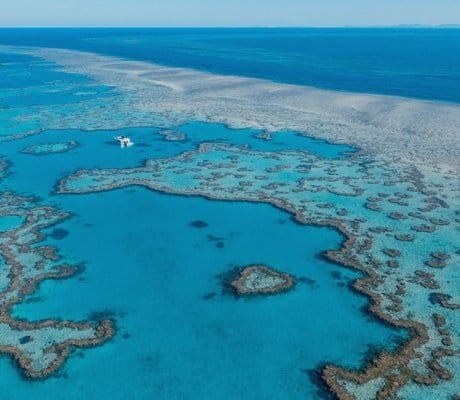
pixel 43 149
pixel 399 128
pixel 41 347
pixel 260 279
pixel 372 204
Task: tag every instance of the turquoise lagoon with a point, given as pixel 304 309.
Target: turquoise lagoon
pixel 159 275
pixel 179 335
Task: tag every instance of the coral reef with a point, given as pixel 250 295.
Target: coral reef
pixel 399 215
pixel 44 149
pixel 41 347
pixel 172 136
pixel 314 190
pixel 260 279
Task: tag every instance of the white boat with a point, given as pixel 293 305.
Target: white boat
pixel 124 141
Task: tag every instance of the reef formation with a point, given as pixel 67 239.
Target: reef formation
pixel 396 202
pixel 172 135
pixel 41 347
pixel 43 149
pixel 359 196
pixel 260 279
pixel 406 129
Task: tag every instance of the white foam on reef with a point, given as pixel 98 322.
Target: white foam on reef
pixel 408 130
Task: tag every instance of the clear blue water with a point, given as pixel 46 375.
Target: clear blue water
pixel 197 132
pixel 420 63
pixel 41 83
pixel 149 144
pixel 10 222
pixel 178 336
pixel 151 270
pixel 21 71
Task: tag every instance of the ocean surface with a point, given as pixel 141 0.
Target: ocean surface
pixel 151 267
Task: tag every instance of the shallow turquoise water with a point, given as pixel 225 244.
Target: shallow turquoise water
pixel 146 266
pixel 8 222
pixel 99 150
pixel 152 269
pixel 178 334
pixel 200 132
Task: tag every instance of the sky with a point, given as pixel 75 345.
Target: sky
pixel 164 13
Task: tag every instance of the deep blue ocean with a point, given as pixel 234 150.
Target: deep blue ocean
pixel 419 63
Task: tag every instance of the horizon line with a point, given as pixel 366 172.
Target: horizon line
pixel 421 26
